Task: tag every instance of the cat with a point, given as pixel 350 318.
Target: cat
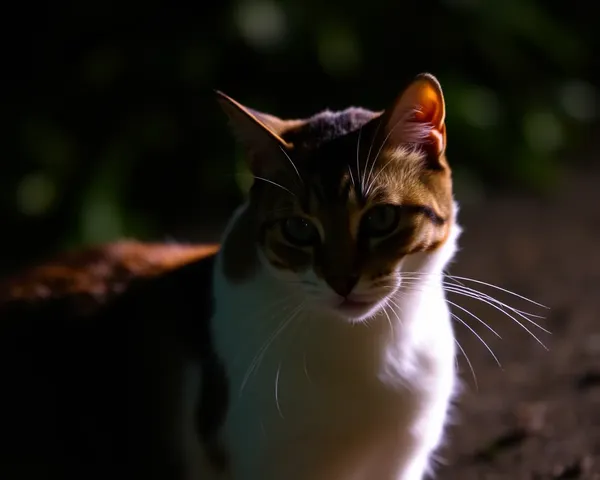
pixel 94 349
pixel 314 342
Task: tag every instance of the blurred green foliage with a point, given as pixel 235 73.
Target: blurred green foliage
pixel 113 130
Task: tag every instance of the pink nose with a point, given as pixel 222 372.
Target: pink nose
pixel 343 285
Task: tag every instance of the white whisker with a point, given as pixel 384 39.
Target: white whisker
pixel 498 302
pixel 264 312
pixel 390 300
pixel 351 176
pixel 403 119
pixel 376 177
pixel 466 279
pixel 357 159
pixel 262 351
pixel 274 183
pixel 492 302
pixel 389 323
pixel 478 336
pixel 369 152
pixel 305 367
pixel 508 315
pixel 277 390
pixel 458 284
pixel 370 184
pixel 475 317
pixel 468 363
pixel 292 162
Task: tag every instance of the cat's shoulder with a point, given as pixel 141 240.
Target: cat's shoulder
pixel 100 273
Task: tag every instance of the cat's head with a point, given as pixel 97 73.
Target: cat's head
pixel 342 199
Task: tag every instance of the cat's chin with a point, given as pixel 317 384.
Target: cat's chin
pixel 357 311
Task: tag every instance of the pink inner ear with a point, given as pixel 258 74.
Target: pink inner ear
pixel 413 127
pixel 419 118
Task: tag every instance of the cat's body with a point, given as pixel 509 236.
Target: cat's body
pixel 333 400
pixel 94 349
pixel 317 344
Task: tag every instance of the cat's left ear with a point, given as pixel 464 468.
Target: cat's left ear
pixel 258 132
pixel 417 118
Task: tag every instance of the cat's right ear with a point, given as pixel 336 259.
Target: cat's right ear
pixel 417 118
pixel 259 133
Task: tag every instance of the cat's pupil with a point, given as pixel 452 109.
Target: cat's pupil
pixel 299 231
pixel 380 221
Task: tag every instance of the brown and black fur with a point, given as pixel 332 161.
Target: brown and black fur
pixel 91 349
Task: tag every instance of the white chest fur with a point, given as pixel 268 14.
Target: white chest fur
pixel 315 398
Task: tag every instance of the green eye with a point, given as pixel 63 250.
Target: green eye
pixel 299 231
pixel 380 221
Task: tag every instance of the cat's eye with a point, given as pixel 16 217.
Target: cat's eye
pixel 299 231
pixel 380 221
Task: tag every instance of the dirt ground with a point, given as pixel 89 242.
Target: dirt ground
pixel 537 417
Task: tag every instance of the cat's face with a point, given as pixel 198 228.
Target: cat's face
pixel 340 200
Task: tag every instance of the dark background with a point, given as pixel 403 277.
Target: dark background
pixel 112 129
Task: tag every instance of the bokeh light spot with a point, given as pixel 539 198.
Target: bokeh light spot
pixel 543 131
pixel 338 50
pixel 35 194
pixel 578 99
pixel 261 23
pixel 480 107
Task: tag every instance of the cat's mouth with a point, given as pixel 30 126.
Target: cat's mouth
pixel 355 306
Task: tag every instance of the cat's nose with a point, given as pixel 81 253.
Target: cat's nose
pixel 343 285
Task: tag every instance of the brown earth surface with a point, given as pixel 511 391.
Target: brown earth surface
pixel 537 417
